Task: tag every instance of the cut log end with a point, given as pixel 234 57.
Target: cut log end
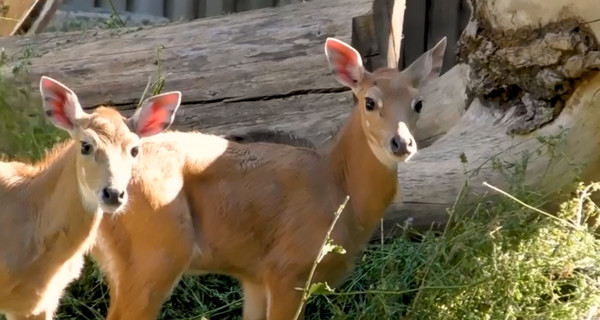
pixel 532 68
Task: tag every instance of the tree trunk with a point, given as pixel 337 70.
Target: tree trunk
pixel 527 70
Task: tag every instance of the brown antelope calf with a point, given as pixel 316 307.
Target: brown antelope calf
pixel 259 211
pixel 50 211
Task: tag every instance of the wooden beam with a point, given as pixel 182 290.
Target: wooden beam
pixel 388 19
pixel 26 16
pixel 446 23
pixel 13 12
pixel 226 68
pixel 415 35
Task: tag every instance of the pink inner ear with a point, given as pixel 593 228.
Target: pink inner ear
pixel 158 114
pixel 344 60
pixel 58 103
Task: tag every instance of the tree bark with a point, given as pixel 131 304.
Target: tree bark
pixel 526 71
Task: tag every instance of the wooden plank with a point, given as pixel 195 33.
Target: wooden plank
pixel 211 8
pixel 286 2
pixel 207 59
pixel 13 11
pixel 388 17
pixel 415 36
pixel 151 7
pixel 315 117
pixel 444 22
pixel 180 10
pixel 39 17
pixel 80 4
pixel 120 5
pixel 364 39
pixel 244 5
pixel 31 20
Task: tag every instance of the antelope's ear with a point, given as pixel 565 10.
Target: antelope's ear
pixel 60 103
pixel 345 62
pixel 428 66
pixel 155 115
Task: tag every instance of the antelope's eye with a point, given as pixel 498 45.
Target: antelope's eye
pixel 369 104
pixel 418 106
pixel 134 151
pixel 86 148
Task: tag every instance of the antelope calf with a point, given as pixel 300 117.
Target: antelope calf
pixel 50 211
pixel 259 211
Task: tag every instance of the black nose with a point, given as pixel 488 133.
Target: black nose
pixel 403 146
pixel 112 197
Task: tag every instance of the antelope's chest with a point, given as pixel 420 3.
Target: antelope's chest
pixel 36 292
pixel 66 273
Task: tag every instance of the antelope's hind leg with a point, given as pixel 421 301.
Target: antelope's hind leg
pixel 255 300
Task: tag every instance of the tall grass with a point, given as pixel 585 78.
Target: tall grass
pixel 496 259
pixel 25 134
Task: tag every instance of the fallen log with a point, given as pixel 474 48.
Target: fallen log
pixel 257 69
pixel 265 69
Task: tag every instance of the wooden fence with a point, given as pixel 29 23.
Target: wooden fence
pixel 179 9
pixel 425 21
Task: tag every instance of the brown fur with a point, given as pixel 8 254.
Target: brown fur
pixel 256 211
pixel 44 227
pixel 270 136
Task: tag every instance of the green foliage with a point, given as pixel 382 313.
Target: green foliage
pixel 25 133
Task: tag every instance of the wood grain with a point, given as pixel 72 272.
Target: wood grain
pixel 16 10
pixel 252 54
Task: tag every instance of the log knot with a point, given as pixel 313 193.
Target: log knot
pixel 533 69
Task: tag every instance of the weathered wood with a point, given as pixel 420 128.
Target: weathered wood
pixel 253 4
pixel 80 4
pixel 26 16
pixel 444 14
pixel 11 13
pixel 227 66
pixel 259 53
pixel 151 7
pixel 120 5
pixel 433 178
pixel 413 42
pixel 209 8
pixel 364 39
pixel 388 18
pixel 181 9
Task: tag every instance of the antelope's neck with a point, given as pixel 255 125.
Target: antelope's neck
pixel 370 184
pixel 64 226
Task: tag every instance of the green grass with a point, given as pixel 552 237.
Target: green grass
pixel 24 132
pixel 505 261
pixel 497 259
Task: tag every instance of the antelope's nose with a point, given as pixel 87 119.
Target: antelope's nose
pixel 401 146
pixel 112 196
